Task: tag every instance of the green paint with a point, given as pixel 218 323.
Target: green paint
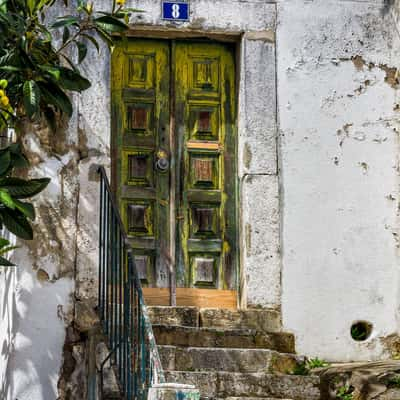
pixel 191 85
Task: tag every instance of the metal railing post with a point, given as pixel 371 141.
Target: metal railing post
pixel 123 313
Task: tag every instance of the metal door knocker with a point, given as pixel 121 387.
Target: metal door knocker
pixel 162 161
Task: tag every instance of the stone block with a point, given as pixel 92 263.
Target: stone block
pixel 86 317
pixel 222 359
pixel 263 320
pixel 261 240
pixel 219 337
pixel 183 316
pixel 257 125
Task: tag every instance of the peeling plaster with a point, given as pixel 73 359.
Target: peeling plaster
pixel 337 69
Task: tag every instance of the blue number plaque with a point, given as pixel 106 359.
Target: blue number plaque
pixel 175 10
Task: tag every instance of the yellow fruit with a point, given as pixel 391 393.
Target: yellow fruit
pixel 120 2
pixel 2 93
pixel 5 101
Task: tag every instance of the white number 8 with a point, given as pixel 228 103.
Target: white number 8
pixel 175 10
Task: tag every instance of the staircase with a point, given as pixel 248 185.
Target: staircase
pixel 225 354
pixel 229 354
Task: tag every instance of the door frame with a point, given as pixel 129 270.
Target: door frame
pixel 256 72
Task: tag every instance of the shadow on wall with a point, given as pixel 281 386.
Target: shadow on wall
pixel 35 362
pixel 387 6
pixel 7 333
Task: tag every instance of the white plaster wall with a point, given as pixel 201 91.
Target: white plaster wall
pixel 35 363
pixel 7 331
pixel 339 174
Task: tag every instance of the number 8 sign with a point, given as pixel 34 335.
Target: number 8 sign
pixel 175 10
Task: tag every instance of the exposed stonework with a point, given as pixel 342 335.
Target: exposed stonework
pixel 366 381
pixel 72 384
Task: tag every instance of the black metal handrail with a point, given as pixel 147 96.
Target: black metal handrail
pixel 125 322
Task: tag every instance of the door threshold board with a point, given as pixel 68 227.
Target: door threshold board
pixel 192 297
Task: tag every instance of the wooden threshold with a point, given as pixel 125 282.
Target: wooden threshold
pixel 202 298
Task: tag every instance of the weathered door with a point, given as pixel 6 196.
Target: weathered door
pixel 174 164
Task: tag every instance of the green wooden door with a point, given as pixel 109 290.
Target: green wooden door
pixel 175 159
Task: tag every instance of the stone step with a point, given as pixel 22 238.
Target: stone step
pixel 230 384
pixel 175 358
pixel 182 316
pixel 219 337
pixel 263 320
pixel 254 398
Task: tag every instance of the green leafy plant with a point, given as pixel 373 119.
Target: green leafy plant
pixel 300 369
pixel 394 382
pixel 5 247
pixel 305 367
pixel 345 393
pixel 36 77
pixel 313 363
pixel 39 74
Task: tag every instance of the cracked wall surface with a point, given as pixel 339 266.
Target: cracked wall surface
pixel 339 120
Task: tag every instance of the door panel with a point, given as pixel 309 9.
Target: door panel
pixel 177 98
pixel 206 193
pixel 140 98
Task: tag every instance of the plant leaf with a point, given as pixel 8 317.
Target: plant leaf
pixel 52 71
pixel 111 24
pixel 16 223
pixel 65 21
pixel 5 160
pixel 26 208
pixel 31 97
pixel 7 249
pixel 72 80
pixel 4 242
pixel 21 188
pixel 53 94
pixel 6 199
pixel 18 159
pixel 5 263
pixel 82 51
pixel 93 40
pixel 105 37
pixel 66 34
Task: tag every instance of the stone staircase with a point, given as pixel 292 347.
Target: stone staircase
pixel 232 355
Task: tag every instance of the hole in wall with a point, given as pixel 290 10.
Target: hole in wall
pixel 361 330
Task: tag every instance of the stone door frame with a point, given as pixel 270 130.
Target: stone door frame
pixel 251 24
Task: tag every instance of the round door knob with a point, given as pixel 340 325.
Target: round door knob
pixel 162 162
